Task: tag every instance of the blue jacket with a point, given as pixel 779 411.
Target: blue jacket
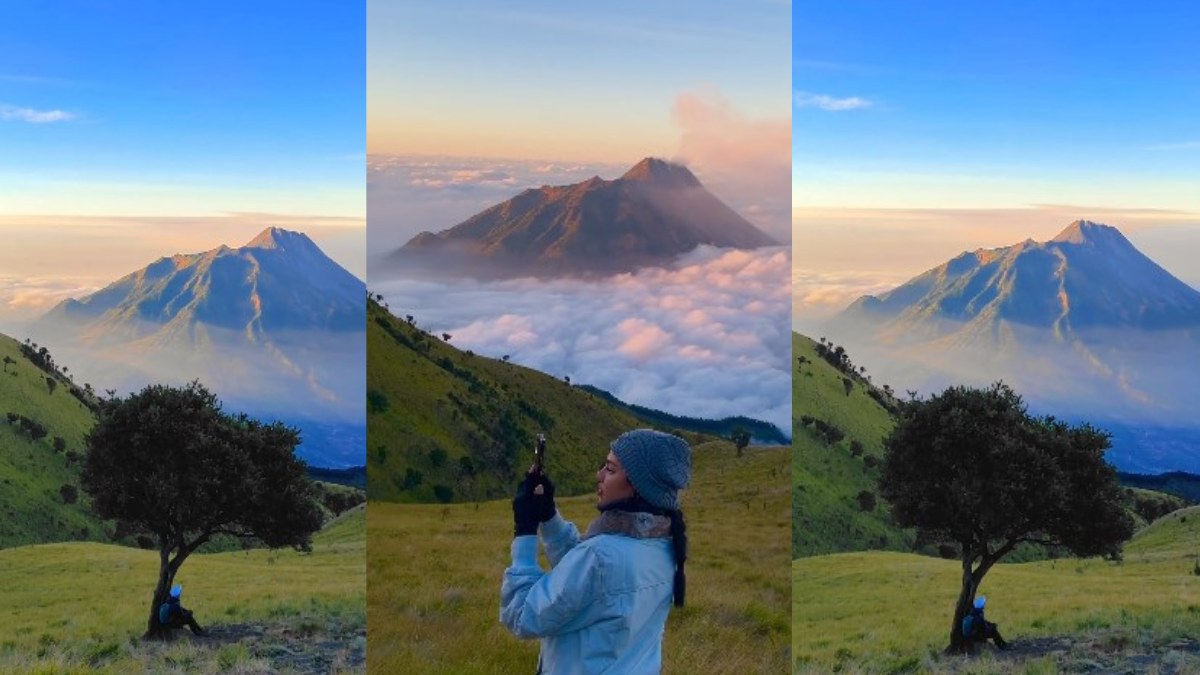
pixel 602 606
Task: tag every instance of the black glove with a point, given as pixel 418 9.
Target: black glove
pixel 526 507
pixel 545 501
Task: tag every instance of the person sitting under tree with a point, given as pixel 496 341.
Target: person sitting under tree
pixel 173 615
pixel 977 629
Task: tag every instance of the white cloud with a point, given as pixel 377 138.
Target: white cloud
pixel 12 113
pixel 747 162
pixel 23 299
pixel 706 337
pixel 803 99
pixel 817 296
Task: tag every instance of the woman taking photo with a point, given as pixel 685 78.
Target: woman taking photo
pixel 602 606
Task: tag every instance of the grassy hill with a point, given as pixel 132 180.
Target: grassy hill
pixel 891 612
pixel 32 472
pixel 835 502
pixel 82 607
pixel 435 575
pixel 452 426
pixel 828 514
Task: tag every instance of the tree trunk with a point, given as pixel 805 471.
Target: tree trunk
pixel 966 599
pixel 971 581
pixel 167 568
pixel 154 629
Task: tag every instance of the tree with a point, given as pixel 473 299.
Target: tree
pixel 866 500
pixel 973 467
pixel 377 401
pixel 7 360
pixel 740 438
pixel 168 461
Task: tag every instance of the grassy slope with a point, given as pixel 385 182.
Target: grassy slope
pixel 826 513
pixel 493 420
pixel 31 472
pixel 83 605
pixel 435 571
pixel 883 611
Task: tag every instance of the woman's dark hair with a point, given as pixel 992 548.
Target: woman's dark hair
pixel 679 544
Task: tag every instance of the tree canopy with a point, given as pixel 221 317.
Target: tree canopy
pixel 973 466
pixel 169 461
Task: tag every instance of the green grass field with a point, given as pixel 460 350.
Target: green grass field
pixel 32 508
pixel 880 612
pixel 82 607
pixel 431 405
pixel 435 571
pixel 827 516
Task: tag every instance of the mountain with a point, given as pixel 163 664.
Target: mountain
pixel 274 327
pixel 653 213
pixel 280 281
pixel 1088 277
pixel 1084 326
pixel 451 425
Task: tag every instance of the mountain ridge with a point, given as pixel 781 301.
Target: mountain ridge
pixel 275 327
pixel 1084 325
pixel 655 211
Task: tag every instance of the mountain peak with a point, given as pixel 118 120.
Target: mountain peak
pixel 1085 231
pixel 660 171
pixel 279 238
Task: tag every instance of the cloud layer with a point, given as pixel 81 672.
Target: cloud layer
pixel 804 99
pixel 707 337
pixel 12 113
pixel 26 298
pixel 746 162
pixel 817 296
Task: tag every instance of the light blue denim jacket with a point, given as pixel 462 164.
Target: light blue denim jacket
pixel 602 606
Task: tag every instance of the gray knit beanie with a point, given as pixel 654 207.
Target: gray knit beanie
pixel 658 465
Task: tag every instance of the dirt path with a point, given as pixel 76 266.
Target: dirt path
pixel 293 650
pixel 1103 653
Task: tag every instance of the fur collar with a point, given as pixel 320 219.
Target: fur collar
pixel 630 524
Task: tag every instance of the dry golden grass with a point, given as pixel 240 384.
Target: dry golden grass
pixel 879 612
pixel 434 576
pixel 82 607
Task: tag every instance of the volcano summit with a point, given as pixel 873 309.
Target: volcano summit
pixel 650 215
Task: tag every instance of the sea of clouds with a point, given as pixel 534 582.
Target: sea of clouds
pixel 708 336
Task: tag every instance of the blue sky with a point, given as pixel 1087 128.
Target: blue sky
pixel 574 81
pixel 922 130
pixel 994 105
pixel 182 109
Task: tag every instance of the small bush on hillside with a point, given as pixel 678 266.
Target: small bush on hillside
pixel 377 401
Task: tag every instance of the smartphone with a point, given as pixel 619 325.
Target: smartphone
pixel 539 453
